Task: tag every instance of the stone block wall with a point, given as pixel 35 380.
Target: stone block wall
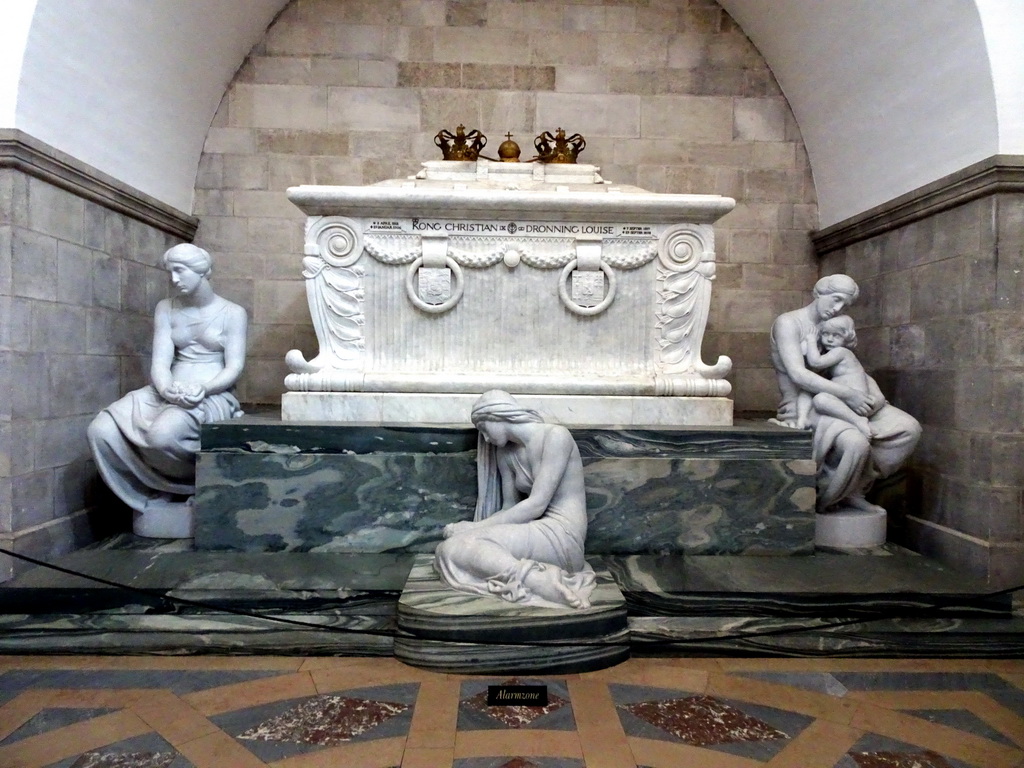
pixel 670 95
pixel 941 325
pixel 78 284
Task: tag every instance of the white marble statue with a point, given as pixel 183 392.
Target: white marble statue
pixel 858 436
pixel 145 444
pixel 525 543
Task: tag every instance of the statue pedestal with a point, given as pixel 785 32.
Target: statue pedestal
pixel 264 485
pixel 850 529
pixel 446 630
pixel 165 520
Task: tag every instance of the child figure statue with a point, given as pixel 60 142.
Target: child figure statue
pixel 838 336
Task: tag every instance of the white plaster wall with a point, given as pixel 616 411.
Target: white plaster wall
pixel 888 95
pixel 15 19
pixel 1003 23
pixel 130 87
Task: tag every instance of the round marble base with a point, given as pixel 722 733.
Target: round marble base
pixel 165 520
pixel 850 529
pixel 460 632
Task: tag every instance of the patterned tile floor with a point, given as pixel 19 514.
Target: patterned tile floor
pixel 223 712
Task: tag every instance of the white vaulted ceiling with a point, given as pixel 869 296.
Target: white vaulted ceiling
pixel 889 94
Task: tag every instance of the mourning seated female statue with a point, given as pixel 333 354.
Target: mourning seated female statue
pixel 525 543
pixel 145 444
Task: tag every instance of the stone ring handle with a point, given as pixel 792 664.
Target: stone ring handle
pixel 434 309
pixel 571 305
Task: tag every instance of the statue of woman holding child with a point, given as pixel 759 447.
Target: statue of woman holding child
pixel 145 444
pixel 525 542
pixel 858 436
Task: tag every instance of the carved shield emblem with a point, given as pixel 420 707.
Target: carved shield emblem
pixel 435 284
pixel 587 288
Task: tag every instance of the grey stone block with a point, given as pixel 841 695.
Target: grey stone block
pixel 117 333
pixel 58 328
pixel 15 324
pixel 74 274
pixel 55 538
pixel 973 409
pixel 106 281
pixel 73 485
pixel 6 195
pixel 1007 466
pixel 117 236
pixel 980 277
pixel 62 441
pixel 158 286
pixel 1008 401
pixel 22 446
pixel 6 400
pixel 33 265
pixel 82 384
pixel 55 211
pixel 932 540
pixel 1006 565
pixel 6 518
pixel 907 346
pixel 6 278
pixel 28 385
pixel 134 293
pixel 5 449
pixel 95 226
pixel 896 291
pixel 938 289
pixel 1010 273
pixel 31 499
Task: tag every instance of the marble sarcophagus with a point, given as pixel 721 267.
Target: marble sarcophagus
pixel 588 297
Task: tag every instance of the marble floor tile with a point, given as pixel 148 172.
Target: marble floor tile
pixel 284 729
pixel 721 725
pixel 84 712
pixel 226 698
pixel 518 762
pixel 475 714
pixel 147 751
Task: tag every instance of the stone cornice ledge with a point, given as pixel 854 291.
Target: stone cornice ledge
pixel 999 173
pixel 22 152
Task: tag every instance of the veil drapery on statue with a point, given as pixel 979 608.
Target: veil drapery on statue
pixel 525 542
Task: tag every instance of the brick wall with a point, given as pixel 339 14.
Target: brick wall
pixel 671 96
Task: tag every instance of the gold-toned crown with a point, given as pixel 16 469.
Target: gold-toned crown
pixel 460 145
pixel 558 148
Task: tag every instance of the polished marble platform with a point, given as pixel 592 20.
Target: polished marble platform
pixel 442 629
pixel 270 486
pixel 195 602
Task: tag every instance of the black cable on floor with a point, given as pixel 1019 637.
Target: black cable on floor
pixel 211 607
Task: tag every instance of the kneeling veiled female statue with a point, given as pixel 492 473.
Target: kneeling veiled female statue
pixel 525 543
pixel 145 444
